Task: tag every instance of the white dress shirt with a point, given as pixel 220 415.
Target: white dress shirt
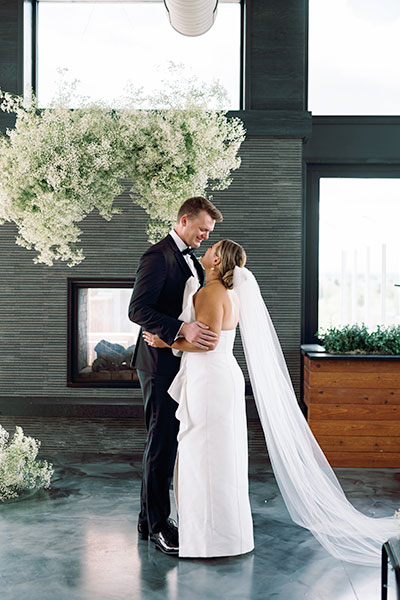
pixel 182 246
pixel 192 284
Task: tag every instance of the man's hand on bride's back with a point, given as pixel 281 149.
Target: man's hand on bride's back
pixel 199 335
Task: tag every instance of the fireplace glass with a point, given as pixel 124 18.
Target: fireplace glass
pixel 103 338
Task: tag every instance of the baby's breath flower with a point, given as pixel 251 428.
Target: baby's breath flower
pixel 19 469
pixel 58 164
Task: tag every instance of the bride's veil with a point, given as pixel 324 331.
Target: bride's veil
pixel 310 489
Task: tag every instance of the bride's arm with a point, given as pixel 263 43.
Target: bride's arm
pixel 209 310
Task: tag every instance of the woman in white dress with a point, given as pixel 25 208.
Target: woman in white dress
pixel 211 483
pixel 211 472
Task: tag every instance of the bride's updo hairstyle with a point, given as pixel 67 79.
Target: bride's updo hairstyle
pixel 232 255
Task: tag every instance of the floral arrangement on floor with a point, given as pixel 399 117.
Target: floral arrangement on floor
pixel 19 469
pixel 357 339
pixel 59 164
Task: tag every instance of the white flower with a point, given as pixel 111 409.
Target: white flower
pixel 19 469
pixel 59 164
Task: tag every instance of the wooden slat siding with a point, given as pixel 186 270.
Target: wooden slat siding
pixel 353 366
pixel 355 380
pixel 361 443
pixel 306 389
pixel 353 412
pixel 352 395
pixel 339 428
pixel 372 460
pixel 262 210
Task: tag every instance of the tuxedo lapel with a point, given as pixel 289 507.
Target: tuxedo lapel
pixel 183 263
pixel 199 269
pixel 178 255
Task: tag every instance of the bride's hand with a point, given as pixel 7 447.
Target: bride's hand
pixel 153 340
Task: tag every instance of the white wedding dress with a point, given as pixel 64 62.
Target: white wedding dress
pixel 211 471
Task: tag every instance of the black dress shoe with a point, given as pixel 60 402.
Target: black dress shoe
pixel 164 541
pixel 173 531
pixel 171 525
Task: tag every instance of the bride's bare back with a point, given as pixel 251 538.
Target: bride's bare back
pixel 217 307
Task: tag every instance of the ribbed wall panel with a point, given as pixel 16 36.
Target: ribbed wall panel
pixel 103 435
pixel 262 210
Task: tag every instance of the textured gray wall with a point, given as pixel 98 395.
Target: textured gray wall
pixel 262 210
pixel 11 46
pixel 276 38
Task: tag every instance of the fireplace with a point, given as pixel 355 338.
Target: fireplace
pixel 101 338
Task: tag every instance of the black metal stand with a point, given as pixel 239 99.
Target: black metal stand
pixel 391 552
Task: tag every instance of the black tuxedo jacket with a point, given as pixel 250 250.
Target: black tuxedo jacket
pixel 156 303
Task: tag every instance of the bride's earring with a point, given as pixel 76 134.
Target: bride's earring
pixel 212 269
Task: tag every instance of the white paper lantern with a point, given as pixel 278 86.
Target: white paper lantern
pixel 191 17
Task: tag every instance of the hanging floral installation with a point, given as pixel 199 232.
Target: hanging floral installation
pixel 59 164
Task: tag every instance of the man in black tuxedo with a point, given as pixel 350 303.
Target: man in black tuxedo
pixel 164 271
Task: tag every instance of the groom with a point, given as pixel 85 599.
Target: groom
pixel 165 270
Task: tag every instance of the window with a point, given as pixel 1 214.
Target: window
pixel 28 55
pixel 359 251
pixel 107 44
pixel 102 339
pixel 354 47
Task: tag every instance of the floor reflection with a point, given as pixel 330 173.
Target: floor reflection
pixel 79 541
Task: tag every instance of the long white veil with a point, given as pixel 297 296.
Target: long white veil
pixel 310 489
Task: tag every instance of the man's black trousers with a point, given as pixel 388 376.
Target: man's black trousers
pixel 160 449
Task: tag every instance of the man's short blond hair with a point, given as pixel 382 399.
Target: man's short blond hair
pixel 193 206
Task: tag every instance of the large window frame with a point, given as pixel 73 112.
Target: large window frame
pixel 244 83
pixel 353 146
pixel 314 173
pixel 346 114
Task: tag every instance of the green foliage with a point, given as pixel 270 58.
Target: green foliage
pixel 19 469
pixel 357 339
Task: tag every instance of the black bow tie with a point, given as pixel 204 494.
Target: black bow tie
pixel 189 251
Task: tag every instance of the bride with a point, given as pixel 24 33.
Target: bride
pixel 211 481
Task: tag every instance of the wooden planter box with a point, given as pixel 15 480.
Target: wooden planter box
pixel 354 407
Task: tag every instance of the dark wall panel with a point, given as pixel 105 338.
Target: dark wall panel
pixel 277 39
pixel 262 210
pixel 11 45
pixel 354 140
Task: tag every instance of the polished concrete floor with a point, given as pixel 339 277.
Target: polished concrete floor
pixel 78 540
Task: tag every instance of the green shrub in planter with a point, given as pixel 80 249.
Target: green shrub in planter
pixel 356 339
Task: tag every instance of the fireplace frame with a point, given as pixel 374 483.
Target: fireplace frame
pixel 74 285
